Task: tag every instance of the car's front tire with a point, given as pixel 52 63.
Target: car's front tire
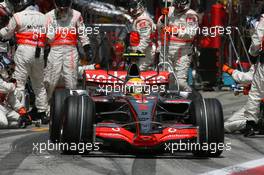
pixel 208 116
pixel 78 124
pixel 56 113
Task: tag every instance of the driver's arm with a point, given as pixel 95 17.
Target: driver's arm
pixel 83 37
pixel 82 33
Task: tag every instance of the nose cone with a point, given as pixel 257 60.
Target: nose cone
pixel 145 141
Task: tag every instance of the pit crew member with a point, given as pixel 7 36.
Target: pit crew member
pixel 27 25
pixel 12 112
pixel 181 29
pixel 64 26
pixel 237 122
pixel 145 27
pixel 256 93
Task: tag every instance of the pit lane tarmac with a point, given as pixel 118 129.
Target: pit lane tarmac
pixel 17 155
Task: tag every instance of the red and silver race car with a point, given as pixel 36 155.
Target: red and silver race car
pixel 146 117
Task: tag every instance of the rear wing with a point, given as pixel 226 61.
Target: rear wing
pixel 101 77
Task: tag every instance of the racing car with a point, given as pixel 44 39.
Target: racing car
pixel 138 119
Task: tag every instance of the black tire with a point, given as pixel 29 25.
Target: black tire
pixel 56 113
pixel 78 121
pixel 261 118
pixel 195 95
pixel 208 116
pixel 84 82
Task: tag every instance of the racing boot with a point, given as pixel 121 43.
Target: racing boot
pixel 24 121
pixel 261 120
pixel 261 126
pixel 250 129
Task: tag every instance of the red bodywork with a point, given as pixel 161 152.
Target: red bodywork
pixel 168 134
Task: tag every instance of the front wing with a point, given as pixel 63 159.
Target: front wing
pixel 170 134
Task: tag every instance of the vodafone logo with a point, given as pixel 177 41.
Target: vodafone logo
pixel 101 76
pixel 172 130
pixel 116 129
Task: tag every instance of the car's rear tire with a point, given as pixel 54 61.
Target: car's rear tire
pixel 56 113
pixel 78 124
pixel 208 116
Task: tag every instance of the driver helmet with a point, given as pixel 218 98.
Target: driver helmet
pixel 44 5
pixel 135 86
pixel 136 7
pixel 63 8
pixel 20 5
pixel 4 16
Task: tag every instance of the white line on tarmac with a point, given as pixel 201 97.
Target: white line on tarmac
pixel 237 168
